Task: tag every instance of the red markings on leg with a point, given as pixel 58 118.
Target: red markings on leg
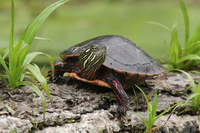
pixel 117 90
pixel 94 82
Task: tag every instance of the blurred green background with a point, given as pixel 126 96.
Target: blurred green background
pixel 79 20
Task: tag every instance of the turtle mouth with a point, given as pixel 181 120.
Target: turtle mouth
pixel 70 52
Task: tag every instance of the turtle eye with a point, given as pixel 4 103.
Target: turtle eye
pixel 95 47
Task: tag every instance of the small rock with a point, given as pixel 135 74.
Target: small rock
pixel 1 106
pixel 9 109
pixel 8 124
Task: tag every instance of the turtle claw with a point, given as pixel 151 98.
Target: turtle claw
pixel 123 108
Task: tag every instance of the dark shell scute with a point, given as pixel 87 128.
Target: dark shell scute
pixel 124 55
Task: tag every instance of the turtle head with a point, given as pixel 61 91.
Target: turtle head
pixel 91 60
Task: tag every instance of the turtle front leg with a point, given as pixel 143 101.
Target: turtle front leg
pixel 121 96
pixel 58 71
pixel 117 88
pixel 60 67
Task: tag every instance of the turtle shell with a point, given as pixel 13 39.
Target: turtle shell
pixel 122 55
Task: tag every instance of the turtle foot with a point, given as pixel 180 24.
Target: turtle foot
pixel 123 108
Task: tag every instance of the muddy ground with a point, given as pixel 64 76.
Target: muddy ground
pixel 84 108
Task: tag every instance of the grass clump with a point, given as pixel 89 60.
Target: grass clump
pixel 193 101
pixel 19 58
pixel 188 55
pixel 151 111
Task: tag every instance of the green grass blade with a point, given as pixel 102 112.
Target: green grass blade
pixel 36 72
pixel 38 92
pixel 24 33
pixel 174 26
pixel 1 50
pixel 46 39
pixel 167 111
pixel 191 97
pixel 189 87
pixel 22 55
pixel 166 46
pixel 188 75
pixel 161 25
pixel 150 116
pixel 6 54
pixel 146 124
pixel 2 61
pixel 11 45
pixel 33 28
pixel 193 48
pixel 154 105
pixel 28 59
pixel 174 48
pixel 186 20
pixel 188 57
pixel 12 27
pixel 4 80
pixel 198 88
pixel 13 62
pixel 32 55
pixel 143 94
pixel 193 71
pixel 196 35
pixel 16 77
pixel 135 97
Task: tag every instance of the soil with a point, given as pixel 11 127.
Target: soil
pixel 84 108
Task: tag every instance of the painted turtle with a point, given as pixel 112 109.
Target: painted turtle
pixel 110 61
